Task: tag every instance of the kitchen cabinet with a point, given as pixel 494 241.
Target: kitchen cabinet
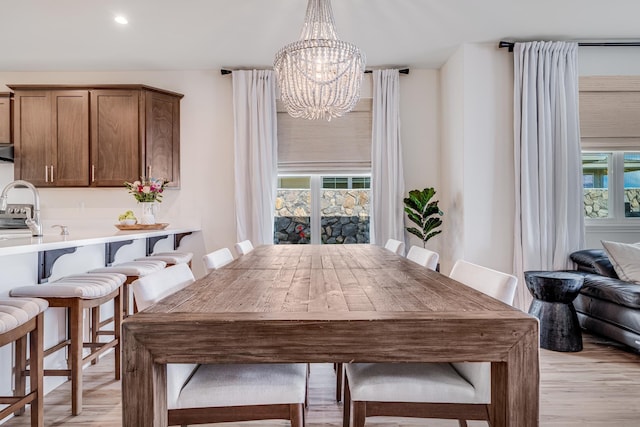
pixel 115 139
pixel 5 118
pixel 131 131
pixel 162 132
pixel 52 137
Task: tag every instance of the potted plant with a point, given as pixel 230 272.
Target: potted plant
pixel 424 213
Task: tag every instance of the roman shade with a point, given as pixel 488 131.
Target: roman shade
pixel 316 146
pixel 609 111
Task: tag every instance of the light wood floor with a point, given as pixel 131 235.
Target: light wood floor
pixel 597 387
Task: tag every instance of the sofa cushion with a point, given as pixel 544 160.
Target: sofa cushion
pixel 609 289
pixel 625 259
pixel 594 261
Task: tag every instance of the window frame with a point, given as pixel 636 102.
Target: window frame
pixel 616 216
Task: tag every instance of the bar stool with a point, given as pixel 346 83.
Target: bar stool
pixel 77 293
pixel 20 317
pixel 171 258
pixel 132 270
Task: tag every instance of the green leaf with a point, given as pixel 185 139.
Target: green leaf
pixel 415 232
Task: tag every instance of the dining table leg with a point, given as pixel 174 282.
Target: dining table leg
pixel 144 385
pixel 515 385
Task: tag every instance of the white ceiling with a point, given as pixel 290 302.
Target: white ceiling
pixel 81 35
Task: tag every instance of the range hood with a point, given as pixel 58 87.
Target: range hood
pixel 6 152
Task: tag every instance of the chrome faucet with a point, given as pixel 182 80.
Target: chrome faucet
pixel 33 221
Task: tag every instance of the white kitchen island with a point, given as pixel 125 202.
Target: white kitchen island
pixel 21 256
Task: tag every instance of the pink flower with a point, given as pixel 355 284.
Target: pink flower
pixel 147 189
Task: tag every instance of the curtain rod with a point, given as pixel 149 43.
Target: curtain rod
pixel 587 44
pixel 225 71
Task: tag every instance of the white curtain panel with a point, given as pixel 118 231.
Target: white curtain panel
pixel 387 175
pixel 256 154
pixel 549 222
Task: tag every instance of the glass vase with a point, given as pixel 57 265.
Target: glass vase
pixel 148 213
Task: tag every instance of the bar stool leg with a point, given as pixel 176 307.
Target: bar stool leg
pixel 21 366
pixel 75 321
pixel 95 327
pixel 36 372
pixel 117 327
pixel 126 300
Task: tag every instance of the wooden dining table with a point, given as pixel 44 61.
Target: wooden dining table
pixel 329 303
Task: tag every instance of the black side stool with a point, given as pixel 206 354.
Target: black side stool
pixel 553 293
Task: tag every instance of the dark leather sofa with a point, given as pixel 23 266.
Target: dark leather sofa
pixel 606 305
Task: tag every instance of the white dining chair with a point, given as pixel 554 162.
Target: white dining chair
pixel 395 246
pixel 459 391
pixel 217 259
pixel 244 247
pixel 424 257
pixel 419 255
pixel 214 393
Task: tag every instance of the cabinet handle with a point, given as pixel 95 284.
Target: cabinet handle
pixel 149 171
pixel 51 173
pixel 93 173
pixel 46 173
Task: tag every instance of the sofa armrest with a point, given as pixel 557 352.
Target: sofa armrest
pixel 594 261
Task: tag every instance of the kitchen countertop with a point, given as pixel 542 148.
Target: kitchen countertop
pixel 12 243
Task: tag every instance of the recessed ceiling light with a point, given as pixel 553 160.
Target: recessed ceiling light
pixel 121 20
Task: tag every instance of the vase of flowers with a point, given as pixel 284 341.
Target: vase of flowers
pixel 148 192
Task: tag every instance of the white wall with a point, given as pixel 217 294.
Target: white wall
pixel 420 134
pixel 206 137
pixel 488 151
pixel 452 167
pixel 477 156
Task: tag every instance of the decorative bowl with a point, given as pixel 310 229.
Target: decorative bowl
pixel 128 221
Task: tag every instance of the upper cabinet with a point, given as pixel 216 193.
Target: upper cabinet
pixel 52 137
pixel 5 118
pixel 162 143
pixel 115 137
pixel 109 135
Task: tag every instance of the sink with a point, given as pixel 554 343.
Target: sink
pixel 15 236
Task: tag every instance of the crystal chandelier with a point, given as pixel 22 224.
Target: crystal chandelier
pixel 319 75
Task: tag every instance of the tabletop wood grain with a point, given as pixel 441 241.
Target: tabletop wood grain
pixel 329 303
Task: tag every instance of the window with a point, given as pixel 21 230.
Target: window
pixel 346 182
pixel 595 181
pixel 322 209
pixel 324 181
pixel 611 185
pixel 610 139
pixel 631 185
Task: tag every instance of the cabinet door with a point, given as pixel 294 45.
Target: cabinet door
pixel 162 133
pixel 115 137
pixel 32 127
pixel 5 118
pixel 70 144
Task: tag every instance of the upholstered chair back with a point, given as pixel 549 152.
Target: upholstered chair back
pixel 217 259
pixel 149 289
pixel 395 246
pixel 152 288
pixel 424 257
pixel 244 247
pixel 498 285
